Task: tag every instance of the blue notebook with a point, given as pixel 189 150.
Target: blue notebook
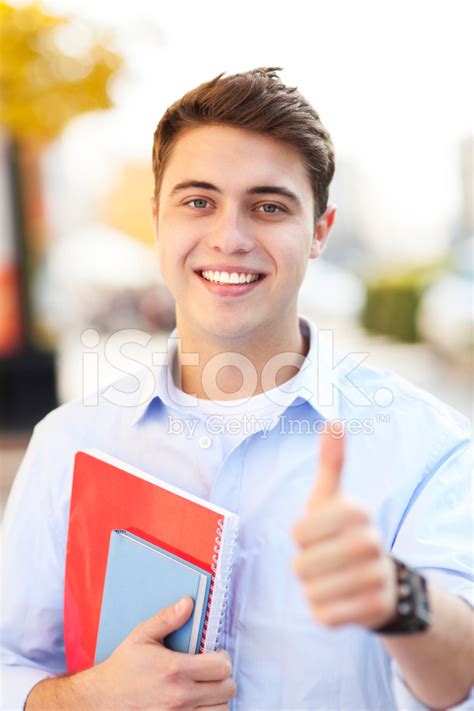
pixel 141 579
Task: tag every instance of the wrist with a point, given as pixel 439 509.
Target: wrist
pixel 411 613
pixel 86 690
pixel 71 693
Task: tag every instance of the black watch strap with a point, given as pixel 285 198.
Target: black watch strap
pixel 413 609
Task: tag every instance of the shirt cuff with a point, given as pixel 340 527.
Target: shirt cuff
pixel 17 683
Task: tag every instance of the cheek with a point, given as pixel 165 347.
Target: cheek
pixel 173 247
pixel 292 254
pixel 170 262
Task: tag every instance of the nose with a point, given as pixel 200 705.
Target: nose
pixel 229 234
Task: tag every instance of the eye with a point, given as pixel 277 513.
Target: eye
pixel 199 203
pixel 270 208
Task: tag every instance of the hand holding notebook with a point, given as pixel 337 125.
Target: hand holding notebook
pixel 134 542
pixel 142 670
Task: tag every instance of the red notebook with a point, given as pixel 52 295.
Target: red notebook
pixel 108 494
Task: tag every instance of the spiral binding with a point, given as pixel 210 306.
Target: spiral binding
pixel 219 587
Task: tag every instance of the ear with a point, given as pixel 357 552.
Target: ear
pixel 154 214
pixel 322 232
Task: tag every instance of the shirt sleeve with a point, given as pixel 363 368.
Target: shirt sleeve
pixel 436 538
pixel 33 555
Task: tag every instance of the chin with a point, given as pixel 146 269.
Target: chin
pixel 227 328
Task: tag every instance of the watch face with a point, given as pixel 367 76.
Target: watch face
pixel 420 598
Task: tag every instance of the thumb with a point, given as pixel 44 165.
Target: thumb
pixel 331 460
pixel 171 618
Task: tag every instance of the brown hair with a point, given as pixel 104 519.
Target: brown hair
pixel 258 101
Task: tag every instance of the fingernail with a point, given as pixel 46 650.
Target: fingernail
pixel 228 659
pixel 180 606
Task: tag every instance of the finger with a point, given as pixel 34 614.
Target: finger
pixel 219 707
pixel 211 666
pixel 166 621
pixel 353 581
pixel 367 610
pixel 332 555
pixel 333 519
pixel 331 458
pixel 214 692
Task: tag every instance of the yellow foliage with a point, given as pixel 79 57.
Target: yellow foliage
pixel 42 86
pixel 127 205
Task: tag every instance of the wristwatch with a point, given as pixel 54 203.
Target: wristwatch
pixel 413 612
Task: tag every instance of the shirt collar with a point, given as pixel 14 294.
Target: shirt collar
pixel 304 387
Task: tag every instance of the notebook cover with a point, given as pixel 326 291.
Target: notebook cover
pixel 141 580
pixel 106 495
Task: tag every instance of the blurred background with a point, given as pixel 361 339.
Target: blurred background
pixel 83 85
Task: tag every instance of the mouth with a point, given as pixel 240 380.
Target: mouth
pixel 225 283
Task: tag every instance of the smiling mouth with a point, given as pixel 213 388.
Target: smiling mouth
pixel 230 278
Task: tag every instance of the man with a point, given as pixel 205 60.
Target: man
pixel 321 614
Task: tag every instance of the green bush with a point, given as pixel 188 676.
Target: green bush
pixel 392 302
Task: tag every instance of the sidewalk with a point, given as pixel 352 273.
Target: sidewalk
pixel 12 448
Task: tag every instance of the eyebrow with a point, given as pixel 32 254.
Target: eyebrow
pixel 200 184
pixel 256 190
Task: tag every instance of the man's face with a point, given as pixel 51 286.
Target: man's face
pixel 237 202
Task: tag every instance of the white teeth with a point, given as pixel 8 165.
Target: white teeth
pixel 232 278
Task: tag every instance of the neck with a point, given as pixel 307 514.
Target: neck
pixel 239 373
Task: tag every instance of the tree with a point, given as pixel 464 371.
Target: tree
pixel 42 86
pixel 51 70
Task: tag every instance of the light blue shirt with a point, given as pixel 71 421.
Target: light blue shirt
pixel 407 461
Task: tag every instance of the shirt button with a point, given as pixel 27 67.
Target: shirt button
pixel 205 442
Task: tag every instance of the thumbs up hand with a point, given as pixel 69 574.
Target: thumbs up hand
pixel 347 576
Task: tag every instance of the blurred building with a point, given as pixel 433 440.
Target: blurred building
pixel 467 184
pixel 347 247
